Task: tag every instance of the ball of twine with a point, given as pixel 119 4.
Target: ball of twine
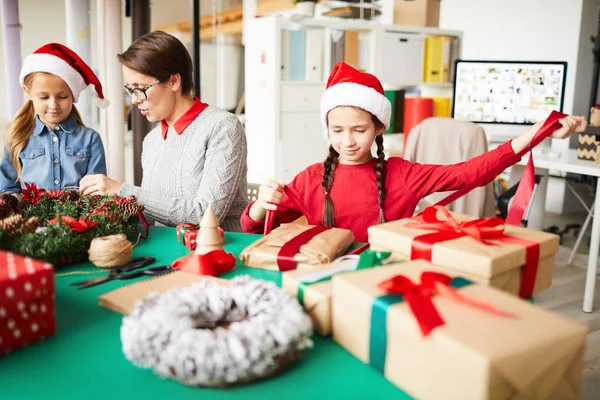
pixel 110 251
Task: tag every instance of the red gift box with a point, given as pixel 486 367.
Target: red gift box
pixel 186 234
pixel 26 301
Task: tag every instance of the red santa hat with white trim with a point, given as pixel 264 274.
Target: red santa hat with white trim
pixel 59 60
pixel 349 87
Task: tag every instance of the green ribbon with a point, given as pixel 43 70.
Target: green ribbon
pixel 367 259
pixel 184 228
pixel 378 334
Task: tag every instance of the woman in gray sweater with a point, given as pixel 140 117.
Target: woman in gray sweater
pixel 195 156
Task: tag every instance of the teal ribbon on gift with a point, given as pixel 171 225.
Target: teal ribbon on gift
pixel 378 334
pixel 367 259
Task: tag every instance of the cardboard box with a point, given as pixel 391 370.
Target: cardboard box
pixel 499 265
pixel 475 354
pixel 417 12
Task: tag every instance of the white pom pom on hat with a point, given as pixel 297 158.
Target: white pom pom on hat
pixel 59 60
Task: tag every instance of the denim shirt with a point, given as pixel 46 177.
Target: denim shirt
pixel 55 159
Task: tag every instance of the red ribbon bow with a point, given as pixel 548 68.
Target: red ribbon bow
pixel 418 296
pixel 449 229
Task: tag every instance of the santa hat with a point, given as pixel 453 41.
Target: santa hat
pixel 349 87
pixel 59 60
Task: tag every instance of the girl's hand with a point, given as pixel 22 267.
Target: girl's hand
pixel 269 195
pixel 99 184
pixel 570 125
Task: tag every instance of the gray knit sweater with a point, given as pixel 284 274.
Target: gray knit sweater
pixel 185 173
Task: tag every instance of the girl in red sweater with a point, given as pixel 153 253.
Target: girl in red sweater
pixel 354 190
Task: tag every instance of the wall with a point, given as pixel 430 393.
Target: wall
pixel 546 30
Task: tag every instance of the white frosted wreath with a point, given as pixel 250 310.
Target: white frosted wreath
pixel 211 335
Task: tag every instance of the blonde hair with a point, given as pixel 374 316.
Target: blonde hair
pixel 21 127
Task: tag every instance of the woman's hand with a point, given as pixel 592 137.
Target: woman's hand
pixel 99 184
pixel 269 195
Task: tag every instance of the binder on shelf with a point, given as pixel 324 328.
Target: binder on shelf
pixel 314 55
pixel 297 58
pixel 437 59
pixel 338 39
pixel 351 48
pixel 396 97
pixel 285 55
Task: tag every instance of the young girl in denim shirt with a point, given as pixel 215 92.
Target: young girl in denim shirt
pixel 47 142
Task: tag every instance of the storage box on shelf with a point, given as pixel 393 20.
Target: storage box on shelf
pixel 287 65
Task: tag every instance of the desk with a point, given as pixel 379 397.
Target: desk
pixel 567 161
pixel 84 359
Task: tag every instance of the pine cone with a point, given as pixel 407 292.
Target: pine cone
pixel 5 209
pixel 95 200
pixel 128 208
pixel 12 225
pixel 69 195
pixel 22 206
pixel 112 217
pixel 30 225
pixel 131 199
pixel 9 199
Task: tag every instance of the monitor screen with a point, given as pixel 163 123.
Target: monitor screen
pixel 507 92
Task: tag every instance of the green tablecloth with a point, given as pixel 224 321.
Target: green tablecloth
pixel 84 359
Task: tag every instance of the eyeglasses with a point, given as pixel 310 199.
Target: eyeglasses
pixel 140 93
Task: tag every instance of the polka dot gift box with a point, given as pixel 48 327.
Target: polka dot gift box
pixel 26 301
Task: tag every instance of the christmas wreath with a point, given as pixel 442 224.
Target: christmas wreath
pixel 58 226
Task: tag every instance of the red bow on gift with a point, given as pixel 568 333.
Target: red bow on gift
pixel 478 229
pixel 418 297
pixel 449 229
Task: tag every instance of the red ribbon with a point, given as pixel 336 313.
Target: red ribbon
pixel 285 257
pixel 478 229
pixel 212 263
pixel 418 296
pixel 525 189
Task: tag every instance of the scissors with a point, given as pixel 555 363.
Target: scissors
pixel 123 272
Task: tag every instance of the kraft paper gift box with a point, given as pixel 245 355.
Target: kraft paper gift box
pixel 323 248
pixel 313 287
pixel 475 354
pixel 501 265
pixel 26 301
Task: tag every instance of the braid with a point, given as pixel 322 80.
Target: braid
pixel 380 173
pixel 327 182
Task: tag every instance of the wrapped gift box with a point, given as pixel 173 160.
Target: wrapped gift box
pixel 474 354
pixel 323 248
pixel 500 265
pixel 313 287
pixel 26 301
pixel 187 233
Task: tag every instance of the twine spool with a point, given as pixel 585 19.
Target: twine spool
pixel 110 251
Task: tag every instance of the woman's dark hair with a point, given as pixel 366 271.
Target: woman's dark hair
pixel 160 55
pixel 331 163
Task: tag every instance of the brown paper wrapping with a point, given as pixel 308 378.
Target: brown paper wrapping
pixel 321 249
pixel 475 355
pixel 317 296
pixel 498 266
pixel 124 298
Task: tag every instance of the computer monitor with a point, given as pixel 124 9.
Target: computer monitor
pixel 507 92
